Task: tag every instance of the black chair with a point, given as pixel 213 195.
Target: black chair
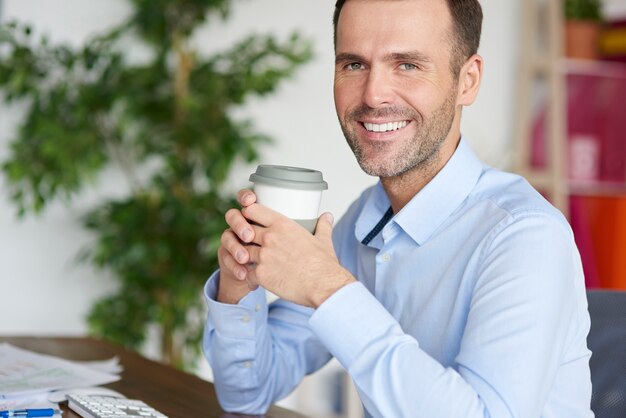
pixel 607 341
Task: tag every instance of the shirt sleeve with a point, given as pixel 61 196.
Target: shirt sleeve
pixel 517 331
pixel 258 352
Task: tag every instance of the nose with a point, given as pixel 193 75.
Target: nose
pixel 378 89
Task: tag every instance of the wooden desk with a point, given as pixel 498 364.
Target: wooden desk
pixel 174 393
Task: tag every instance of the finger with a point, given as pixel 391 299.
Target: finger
pixel 324 227
pixel 239 225
pixel 230 266
pixel 252 278
pixel 254 255
pixel 261 215
pixel 231 243
pixel 246 197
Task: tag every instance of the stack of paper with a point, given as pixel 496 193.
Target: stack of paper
pixel 27 378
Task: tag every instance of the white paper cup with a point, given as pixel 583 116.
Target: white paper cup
pixel 293 191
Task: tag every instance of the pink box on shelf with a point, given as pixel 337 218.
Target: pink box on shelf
pixel 596 124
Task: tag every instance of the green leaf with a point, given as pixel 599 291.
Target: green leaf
pixel 583 9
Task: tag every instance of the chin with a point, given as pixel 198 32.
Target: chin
pixel 378 168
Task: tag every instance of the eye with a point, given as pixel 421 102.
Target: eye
pixel 353 66
pixel 408 66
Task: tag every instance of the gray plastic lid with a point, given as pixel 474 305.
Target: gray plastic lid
pixel 290 177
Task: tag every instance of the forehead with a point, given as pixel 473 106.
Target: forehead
pixel 394 25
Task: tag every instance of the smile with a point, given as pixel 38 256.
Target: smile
pixel 385 127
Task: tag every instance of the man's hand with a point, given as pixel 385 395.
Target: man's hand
pixel 288 260
pixel 233 256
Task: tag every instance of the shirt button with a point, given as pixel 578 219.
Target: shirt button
pixel 245 319
pixel 247 364
pixel 257 308
pixel 386 257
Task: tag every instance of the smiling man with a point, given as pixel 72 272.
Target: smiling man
pixel 449 289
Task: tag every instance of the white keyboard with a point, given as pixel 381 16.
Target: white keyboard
pixel 92 406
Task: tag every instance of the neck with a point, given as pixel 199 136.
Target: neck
pixel 402 188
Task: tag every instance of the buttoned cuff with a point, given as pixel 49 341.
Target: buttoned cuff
pixel 349 320
pixel 238 321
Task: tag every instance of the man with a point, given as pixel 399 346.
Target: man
pixel 452 289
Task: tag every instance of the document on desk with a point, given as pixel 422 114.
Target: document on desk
pixel 24 373
pixel 38 401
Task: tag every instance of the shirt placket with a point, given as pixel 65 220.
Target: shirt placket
pixel 385 260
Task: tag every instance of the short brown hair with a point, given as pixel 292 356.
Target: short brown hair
pixel 467 20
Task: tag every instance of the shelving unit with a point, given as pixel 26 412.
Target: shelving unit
pixel 570 139
pixel 540 63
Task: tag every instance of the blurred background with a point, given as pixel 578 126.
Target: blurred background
pixel 58 269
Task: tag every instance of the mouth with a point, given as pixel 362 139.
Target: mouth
pixel 385 127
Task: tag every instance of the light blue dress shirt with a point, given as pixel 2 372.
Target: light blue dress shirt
pixel 470 303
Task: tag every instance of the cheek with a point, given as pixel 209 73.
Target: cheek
pixel 348 93
pixel 343 97
pixel 421 99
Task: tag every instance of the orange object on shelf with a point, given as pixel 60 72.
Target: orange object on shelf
pixel 613 41
pixel 599 224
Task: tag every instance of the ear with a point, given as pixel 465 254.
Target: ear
pixel 469 80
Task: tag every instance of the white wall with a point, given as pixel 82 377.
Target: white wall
pixel 614 8
pixel 44 292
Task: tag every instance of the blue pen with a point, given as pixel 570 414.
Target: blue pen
pixel 26 413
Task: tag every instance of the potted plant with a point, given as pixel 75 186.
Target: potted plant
pixel 166 122
pixel 582 28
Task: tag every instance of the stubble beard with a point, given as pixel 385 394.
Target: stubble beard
pixel 420 152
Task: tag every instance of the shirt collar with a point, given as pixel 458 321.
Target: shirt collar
pixel 429 208
pixel 376 204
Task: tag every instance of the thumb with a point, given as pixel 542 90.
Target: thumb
pixel 324 227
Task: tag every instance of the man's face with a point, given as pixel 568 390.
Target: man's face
pixel 395 95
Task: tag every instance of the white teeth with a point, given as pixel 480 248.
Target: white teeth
pixel 385 127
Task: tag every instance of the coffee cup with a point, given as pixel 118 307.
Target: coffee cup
pixel 293 191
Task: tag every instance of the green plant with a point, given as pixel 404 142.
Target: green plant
pixel 166 123
pixel 583 9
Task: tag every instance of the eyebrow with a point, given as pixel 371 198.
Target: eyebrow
pixel 408 56
pixel 391 57
pixel 347 57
